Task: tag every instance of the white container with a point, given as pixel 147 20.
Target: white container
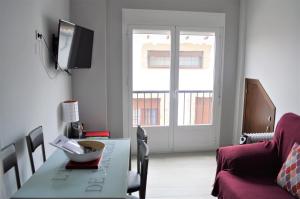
pixel 99 146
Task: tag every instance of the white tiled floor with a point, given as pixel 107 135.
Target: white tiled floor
pixel 180 176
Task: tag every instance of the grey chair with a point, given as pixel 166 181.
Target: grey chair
pixel 35 139
pixel 9 161
pixel 141 136
pixel 144 161
pixel 134 178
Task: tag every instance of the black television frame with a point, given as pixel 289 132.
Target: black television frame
pixel 55 46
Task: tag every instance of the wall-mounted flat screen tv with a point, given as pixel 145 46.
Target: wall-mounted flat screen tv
pixel 75 46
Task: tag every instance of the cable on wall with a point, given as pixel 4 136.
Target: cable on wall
pixel 42 40
pixel 43 61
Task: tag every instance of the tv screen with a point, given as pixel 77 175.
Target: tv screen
pixel 75 46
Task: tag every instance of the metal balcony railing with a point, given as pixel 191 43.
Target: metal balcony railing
pixel 151 108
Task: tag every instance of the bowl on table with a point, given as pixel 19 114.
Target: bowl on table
pixel 96 152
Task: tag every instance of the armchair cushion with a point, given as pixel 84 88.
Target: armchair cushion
pixel 250 159
pixel 289 175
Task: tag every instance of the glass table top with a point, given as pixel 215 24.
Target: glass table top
pixel 53 181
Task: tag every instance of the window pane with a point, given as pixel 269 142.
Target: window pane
pixel 196 77
pixel 191 59
pixel 151 61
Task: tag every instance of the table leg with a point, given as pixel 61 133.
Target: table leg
pixel 130 159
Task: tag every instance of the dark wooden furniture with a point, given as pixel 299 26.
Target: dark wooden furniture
pixel 144 160
pixel 259 110
pixel 141 136
pixel 9 161
pixel 35 139
pixel 134 178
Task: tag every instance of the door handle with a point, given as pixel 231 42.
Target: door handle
pixel 175 93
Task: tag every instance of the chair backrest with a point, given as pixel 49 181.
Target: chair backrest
pixel 141 136
pixel 35 139
pixel 144 160
pixel 286 134
pixel 9 161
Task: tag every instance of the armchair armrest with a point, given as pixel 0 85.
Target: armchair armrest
pixel 249 159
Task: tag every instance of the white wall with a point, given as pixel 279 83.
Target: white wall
pixel 28 96
pixel 89 85
pixel 114 54
pixel 273 49
pixel 240 80
pixel 97 91
pixel 2 190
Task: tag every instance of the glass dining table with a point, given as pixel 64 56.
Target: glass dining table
pixel 109 181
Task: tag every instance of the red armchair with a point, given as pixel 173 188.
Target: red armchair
pixel 249 171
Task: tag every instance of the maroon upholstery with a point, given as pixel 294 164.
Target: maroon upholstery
pixel 237 187
pixel 286 134
pixel 249 171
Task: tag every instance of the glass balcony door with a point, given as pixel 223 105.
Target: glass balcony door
pixel 173 86
pixel 196 89
pixel 151 74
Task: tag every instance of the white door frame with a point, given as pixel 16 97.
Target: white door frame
pixel 139 18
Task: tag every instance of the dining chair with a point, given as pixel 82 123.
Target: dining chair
pixel 9 161
pixel 35 139
pixel 134 176
pixel 141 136
pixel 144 160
